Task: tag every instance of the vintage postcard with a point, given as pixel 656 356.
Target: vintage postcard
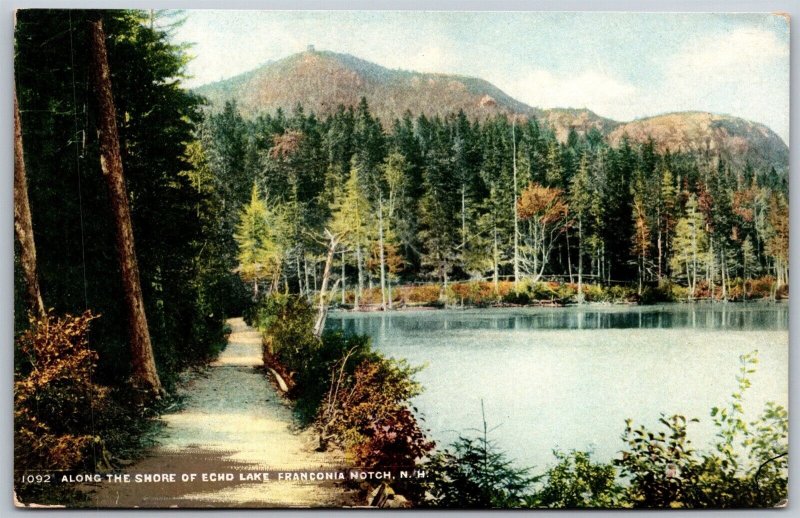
pixel 376 259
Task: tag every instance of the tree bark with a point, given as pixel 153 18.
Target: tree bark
pixel 360 290
pixel 381 254
pixel 23 224
pixel 144 374
pixel 580 260
pixel 516 212
pixel 343 279
pixel 322 313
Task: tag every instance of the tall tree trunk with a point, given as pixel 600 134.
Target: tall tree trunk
pixel 658 245
pixel 299 275
pixel 23 224
pixel 463 220
pixel 145 376
pixel 580 260
pixel 381 254
pixel 495 261
pixel 360 289
pixel 343 279
pixel 322 312
pixel 516 214
pixel 569 257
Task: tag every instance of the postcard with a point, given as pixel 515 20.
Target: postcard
pixel 401 259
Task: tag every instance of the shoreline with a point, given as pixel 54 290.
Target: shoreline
pixel 376 308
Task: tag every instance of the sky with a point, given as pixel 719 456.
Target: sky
pixel 620 65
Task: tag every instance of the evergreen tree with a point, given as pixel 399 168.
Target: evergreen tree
pixel 580 205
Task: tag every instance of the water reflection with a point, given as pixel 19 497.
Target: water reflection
pixel 752 316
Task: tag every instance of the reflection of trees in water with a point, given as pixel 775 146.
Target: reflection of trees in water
pixel 694 316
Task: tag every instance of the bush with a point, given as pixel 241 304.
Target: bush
pixel 368 413
pixel 354 396
pixel 665 472
pixel 544 290
pixel 594 293
pixel 517 297
pixel 578 482
pixel 656 294
pixel 474 474
pixel 422 294
pixel 54 396
pixel 474 293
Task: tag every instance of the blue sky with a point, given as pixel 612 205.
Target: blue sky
pixel 620 65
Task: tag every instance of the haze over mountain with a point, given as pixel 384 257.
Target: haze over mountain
pixel 323 80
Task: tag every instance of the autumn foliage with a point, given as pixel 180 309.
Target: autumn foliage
pixel 54 395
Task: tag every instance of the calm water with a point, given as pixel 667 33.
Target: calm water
pixel 568 378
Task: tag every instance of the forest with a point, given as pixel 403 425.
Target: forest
pixel 145 218
pixel 443 200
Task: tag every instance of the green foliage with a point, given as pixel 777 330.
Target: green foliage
pixel 475 474
pixel 576 481
pixel 367 411
pixel 258 236
pixel 747 467
pixel 661 467
pixel 186 287
pixel 353 395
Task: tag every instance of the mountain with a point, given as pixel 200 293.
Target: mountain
pixel 736 140
pixel 582 121
pixel 322 80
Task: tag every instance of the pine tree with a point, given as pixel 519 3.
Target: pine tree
pixel 350 220
pixel 23 225
pixel 257 234
pixel 580 205
pixel 641 227
pixel 689 244
pixel 145 375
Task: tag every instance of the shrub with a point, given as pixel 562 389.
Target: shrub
pixel 662 467
pixel 517 297
pixel 656 294
pixel 367 411
pixel 760 288
pixel 54 396
pixel 665 472
pixel 356 397
pixel 578 482
pixel 474 293
pixel 544 290
pixel 422 294
pixel 594 293
pixel 475 474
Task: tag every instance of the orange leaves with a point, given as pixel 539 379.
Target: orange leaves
pixel 286 144
pixel 544 204
pixel 744 204
pixel 54 399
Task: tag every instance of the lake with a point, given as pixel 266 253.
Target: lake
pixel 568 378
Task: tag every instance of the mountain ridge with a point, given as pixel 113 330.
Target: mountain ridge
pixel 323 80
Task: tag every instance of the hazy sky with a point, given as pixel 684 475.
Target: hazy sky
pixel 620 65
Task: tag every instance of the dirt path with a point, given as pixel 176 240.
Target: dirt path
pixel 233 421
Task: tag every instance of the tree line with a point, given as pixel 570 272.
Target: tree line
pixel 443 199
pixel 106 133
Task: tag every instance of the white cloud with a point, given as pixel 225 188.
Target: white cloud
pixel 744 73
pixel 739 51
pixel 596 90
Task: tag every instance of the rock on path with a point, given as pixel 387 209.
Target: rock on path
pixel 232 421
